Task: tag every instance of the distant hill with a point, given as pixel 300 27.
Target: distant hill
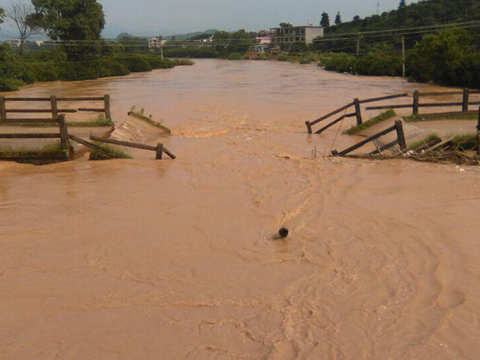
pixel 423 13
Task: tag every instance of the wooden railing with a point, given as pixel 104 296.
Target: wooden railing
pixel 54 110
pixel 415 105
pixel 62 134
pixel 398 127
pixel 357 113
pixel 159 149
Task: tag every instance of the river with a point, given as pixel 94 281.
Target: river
pixel 174 259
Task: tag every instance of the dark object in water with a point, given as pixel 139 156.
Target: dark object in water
pixel 283 232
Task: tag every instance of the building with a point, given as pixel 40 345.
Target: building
pixel 264 37
pixel 288 34
pixel 13 43
pixel 156 43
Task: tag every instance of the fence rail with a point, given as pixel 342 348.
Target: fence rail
pixel 62 134
pixel 398 127
pixel 415 105
pixel 358 112
pixel 159 149
pixel 53 110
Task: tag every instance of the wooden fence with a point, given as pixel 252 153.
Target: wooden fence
pixel 54 110
pixel 159 149
pixel 415 105
pixel 398 127
pixel 357 113
pixel 62 134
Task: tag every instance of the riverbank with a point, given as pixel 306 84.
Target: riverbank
pixel 52 65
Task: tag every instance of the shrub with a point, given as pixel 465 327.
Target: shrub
pixel 134 62
pixel 235 56
pixel 8 84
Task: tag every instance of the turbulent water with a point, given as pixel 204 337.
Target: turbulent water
pixel 144 259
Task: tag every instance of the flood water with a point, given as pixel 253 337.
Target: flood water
pixel 144 259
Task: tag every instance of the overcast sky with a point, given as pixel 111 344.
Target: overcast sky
pixel 152 17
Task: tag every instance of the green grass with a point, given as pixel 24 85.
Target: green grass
pixel 428 139
pixel 183 62
pixel 100 121
pixel 51 152
pixel 376 120
pixel 465 142
pixel 431 117
pixel 107 153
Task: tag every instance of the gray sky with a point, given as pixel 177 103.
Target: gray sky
pixel 151 17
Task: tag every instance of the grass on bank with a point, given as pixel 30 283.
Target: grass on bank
pixel 51 152
pixel 107 152
pixel 431 117
pixel 100 121
pixel 465 142
pixel 376 120
pixel 53 65
pixel 431 138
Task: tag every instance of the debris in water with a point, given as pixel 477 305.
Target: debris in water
pixel 283 232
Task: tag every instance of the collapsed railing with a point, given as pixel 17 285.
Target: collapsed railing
pixel 62 134
pixel 358 112
pixel 415 105
pixel 398 127
pixel 54 110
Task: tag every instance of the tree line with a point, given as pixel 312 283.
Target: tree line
pixel 80 54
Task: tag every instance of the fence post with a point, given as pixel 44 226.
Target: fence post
pixel 106 100
pixel 159 152
pixel 466 99
pixel 3 111
pixel 63 135
pixel 478 133
pixel 404 59
pixel 53 105
pixel 416 96
pixel 309 127
pixel 358 111
pixel 400 135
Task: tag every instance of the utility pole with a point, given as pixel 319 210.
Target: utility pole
pixel 358 47
pixel 161 52
pixel 404 58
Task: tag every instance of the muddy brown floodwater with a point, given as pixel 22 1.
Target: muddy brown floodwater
pixel 144 259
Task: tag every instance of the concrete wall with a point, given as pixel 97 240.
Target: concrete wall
pixel 312 33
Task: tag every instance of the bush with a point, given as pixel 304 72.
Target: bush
pixel 469 71
pixel 446 58
pixel 8 84
pixel 134 62
pixel 192 52
pixel 235 56
pixel 379 64
pixel 340 62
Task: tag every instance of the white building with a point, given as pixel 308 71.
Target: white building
pixel 156 43
pixel 289 34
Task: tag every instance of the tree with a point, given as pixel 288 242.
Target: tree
pixel 402 4
pixel 69 20
pixel 325 22
pixel 2 15
pixel 19 13
pixel 338 19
